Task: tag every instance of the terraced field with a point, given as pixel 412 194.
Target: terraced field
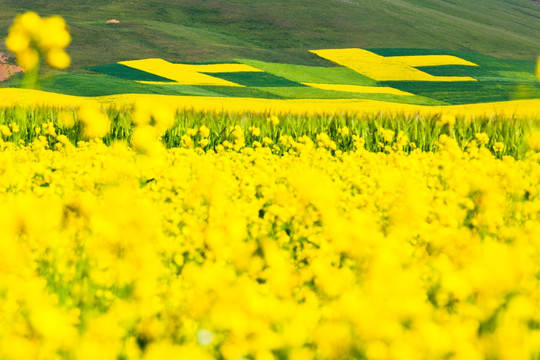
pixel 408 76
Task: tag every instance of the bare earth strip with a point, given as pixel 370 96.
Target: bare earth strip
pixel 25 97
pixel 7 70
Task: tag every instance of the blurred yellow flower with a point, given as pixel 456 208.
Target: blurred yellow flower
pixel 57 58
pixel 534 140
pixel 482 138
pixel 28 59
pixel 31 36
pixel 96 124
pixel 203 142
pixel 53 34
pixel 30 22
pixel 255 131
pixel 66 119
pixel 274 120
pixel 498 147
pixel 387 134
pixel 17 42
pixel 447 119
pixel 5 131
pixel 204 131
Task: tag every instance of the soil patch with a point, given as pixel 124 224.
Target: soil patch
pixel 7 70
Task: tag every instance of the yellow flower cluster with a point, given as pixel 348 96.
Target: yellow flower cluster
pixel 109 254
pixel 31 36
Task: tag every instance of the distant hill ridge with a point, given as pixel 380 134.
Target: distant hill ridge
pixel 284 30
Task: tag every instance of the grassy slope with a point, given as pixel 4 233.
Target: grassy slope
pixel 283 30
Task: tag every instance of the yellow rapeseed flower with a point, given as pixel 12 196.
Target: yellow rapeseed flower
pixel 274 120
pixel 191 132
pixel 447 119
pixel 534 140
pixel 28 59
pixel 57 58
pixel 53 34
pixel 204 131
pixel 66 119
pixel 17 41
pixel 96 123
pixel 482 138
pixel 255 131
pixel 203 142
pixel 498 147
pixel 5 131
pixel 387 134
pixel 30 22
pixel 32 36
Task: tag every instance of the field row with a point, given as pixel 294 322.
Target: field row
pixel 285 133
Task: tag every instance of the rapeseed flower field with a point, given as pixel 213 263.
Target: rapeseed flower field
pixel 141 231
pixel 145 253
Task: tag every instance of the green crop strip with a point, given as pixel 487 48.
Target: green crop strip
pixel 235 91
pixel 126 72
pixel 256 79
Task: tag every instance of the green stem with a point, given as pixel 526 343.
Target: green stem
pixel 30 79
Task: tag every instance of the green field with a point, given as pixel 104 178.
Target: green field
pixel 276 36
pixel 281 31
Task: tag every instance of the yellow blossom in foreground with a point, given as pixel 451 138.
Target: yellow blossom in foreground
pixel 274 120
pixel 255 131
pixel 66 119
pixel 482 138
pixel 28 59
pixel 387 134
pixel 448 119
pixel 5 131
pixel 498 147
pixel 534 140
pixel 32 36
pixel 204 131
pixel 96 123
pixel 58 59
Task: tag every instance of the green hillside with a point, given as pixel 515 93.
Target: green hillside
pixel 489 80
pixel 282 30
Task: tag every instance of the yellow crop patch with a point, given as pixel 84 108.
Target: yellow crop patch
pixel 359 89
pixel 25 97
pixel 398 68
pixel 431 60
pixel 187 74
